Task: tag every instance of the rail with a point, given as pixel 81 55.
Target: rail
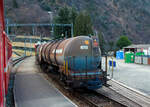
pixel 137 97
pixel 17 60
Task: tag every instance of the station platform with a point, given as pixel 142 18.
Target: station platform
pixel 33 90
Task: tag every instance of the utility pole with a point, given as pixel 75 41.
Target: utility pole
pixel 72 30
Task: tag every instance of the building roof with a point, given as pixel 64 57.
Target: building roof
pixel 139 46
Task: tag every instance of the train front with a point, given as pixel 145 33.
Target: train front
pixel 83 62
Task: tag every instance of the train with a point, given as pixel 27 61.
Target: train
pixel 77 59
pixel 5 58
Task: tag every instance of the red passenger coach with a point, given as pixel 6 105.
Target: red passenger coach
pixel 5 58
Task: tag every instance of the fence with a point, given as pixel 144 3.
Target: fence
pixel 23 45
pixel 24 36
pixel 144 59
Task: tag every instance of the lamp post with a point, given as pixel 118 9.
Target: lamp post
pixel 51 16
pixel 51 21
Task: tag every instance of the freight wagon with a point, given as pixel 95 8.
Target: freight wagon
pixel 77 59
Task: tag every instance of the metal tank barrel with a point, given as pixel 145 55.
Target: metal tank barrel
pixel 54 52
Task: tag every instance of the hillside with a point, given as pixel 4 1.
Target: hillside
pixel 112 17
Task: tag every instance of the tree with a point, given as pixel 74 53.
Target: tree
pixel 101 42
pixel 65 16
pixel 73 15
pixel 123 41
pixel 83 25
pixel 45 6
pixel 15 4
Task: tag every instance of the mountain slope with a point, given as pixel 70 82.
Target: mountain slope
pixel 112 17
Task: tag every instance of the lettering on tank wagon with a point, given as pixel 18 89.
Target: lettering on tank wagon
pixel 58 51
pixel 83 47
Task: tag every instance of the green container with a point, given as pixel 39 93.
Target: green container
pixel 139 53
pixel 129 57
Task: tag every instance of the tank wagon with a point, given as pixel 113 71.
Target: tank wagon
pixel 77 59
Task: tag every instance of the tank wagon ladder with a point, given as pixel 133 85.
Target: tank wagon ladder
pixel 66 67
pixel 86 65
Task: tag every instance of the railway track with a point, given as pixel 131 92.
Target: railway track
pixel 104 97
pixel 94 99
pixel 131 89
pixel 82 97
pixel 17 60
pixel 125 95
pixel 88 98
